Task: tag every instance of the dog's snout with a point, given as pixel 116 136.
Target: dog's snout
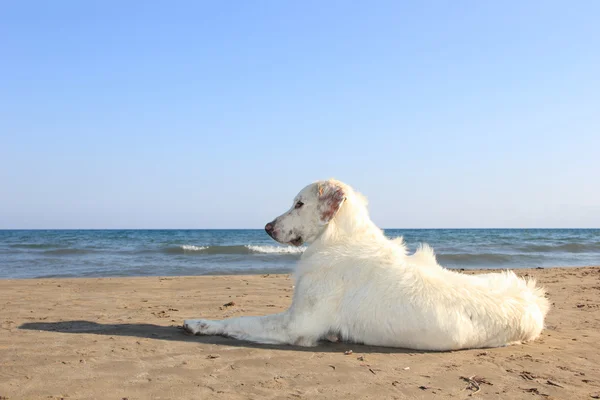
pixel 269 228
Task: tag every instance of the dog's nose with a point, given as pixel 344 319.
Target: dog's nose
pixel 269 228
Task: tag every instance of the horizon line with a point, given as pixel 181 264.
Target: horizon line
pixel 257 229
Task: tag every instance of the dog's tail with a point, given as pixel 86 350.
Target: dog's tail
pixel 536 307
pixel 538 296
pixel 529 298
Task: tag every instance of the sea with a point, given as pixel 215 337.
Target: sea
pixel 113 253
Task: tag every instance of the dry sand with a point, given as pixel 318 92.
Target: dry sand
pixel 117 338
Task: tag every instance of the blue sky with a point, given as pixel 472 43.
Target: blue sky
pixel 215 114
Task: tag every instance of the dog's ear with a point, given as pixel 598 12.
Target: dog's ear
pixel 331 196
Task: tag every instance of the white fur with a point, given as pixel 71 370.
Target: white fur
pixel 354 283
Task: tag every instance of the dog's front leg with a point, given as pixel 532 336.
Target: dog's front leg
pixel 303 324
pixel 266 329
pixel 282 328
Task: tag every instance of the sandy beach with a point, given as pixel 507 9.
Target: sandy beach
pixel 120 338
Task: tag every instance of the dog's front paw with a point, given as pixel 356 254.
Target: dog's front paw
pixel 202 327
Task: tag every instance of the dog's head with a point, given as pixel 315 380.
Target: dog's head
pixel 313 208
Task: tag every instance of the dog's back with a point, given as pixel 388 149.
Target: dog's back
pixel 387 298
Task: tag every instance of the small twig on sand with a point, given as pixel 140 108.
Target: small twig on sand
pixel 549 382
pixel 473 384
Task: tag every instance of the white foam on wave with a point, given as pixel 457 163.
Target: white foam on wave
pixel 276 249
pixel 189 247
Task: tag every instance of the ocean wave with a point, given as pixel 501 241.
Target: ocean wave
pixel 188 247
pixel 183 249
pixel 276 249
pixel 488 259
pixel 239 249
pixel 66 252
pixel 469 258
pixel 32 246
pixel 564 248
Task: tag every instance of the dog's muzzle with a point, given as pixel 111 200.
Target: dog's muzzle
pixel 270 228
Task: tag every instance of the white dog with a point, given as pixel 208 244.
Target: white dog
pixel 355 284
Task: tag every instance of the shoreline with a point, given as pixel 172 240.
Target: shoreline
pixel 119 337
pixel 465 270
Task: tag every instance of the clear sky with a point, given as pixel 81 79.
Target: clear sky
pixel 199 114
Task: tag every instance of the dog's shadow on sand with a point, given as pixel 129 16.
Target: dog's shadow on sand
pixel 176 333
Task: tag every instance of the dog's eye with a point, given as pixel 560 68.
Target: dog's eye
pixel 299 204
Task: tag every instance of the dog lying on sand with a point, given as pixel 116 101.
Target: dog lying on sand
pixel 355 284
